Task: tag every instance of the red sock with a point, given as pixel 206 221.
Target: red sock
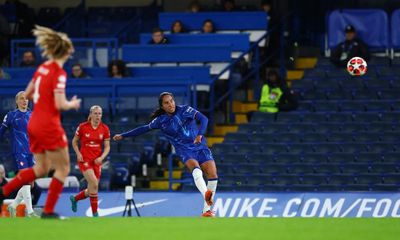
pixel 23 177
pixel 80 196
pixel 93 202
pixel 55 189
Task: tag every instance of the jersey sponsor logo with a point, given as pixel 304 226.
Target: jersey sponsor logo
pixel 43 71
pixel 114 210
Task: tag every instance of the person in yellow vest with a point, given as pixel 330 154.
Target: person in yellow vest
pixel 276 96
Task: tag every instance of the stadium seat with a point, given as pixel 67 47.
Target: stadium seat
pixel 276 168
pixel 341 158
pixel 384 168
pixel 369 157
pixel 328 168
pixel 314 179
pixel 392 179
pixel 327 148
pixel 260 179
pixel 301 128
pixel 248 148
pixel 301 168
pixel 369 179
pixel 287 158
pixel 352 148
pixel 341 179
pixel 273 148
pixel 286 179
pixel 259 117
pixel 314 158
pixel 353 168
pixel 392 157
pixel 300 148
pixel 261 158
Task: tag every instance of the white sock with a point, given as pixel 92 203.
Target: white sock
pixel 212 185
pixel 199 180
pixel 26 194
pixel 18 199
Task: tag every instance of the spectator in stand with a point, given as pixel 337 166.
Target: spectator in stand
pixel 28 59
pixel 158 37
pixel 229 6
pixel 194 7
pixel 208 26
pixel 276 95
pixel 77 71
pixel 177 27
pixel 4 75
pixel 351 47
pixel 117 69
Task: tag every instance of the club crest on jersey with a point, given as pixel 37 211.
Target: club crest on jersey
pixel 87 134
pixel 101 136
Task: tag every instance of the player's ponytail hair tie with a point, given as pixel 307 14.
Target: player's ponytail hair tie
pixel 54 45
pixel 159 111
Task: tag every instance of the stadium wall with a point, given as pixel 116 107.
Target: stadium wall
pixel 169 204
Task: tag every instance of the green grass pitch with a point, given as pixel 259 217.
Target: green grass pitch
pixel 200 228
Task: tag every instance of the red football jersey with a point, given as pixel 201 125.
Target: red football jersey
pixel 92 140
pixel 48 79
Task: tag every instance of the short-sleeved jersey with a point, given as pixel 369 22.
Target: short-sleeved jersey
pixel 92 139
pixel 181 129
pixel 48 79
pixel 16 122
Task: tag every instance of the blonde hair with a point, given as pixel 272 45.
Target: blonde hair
pixel 54 45
pixel 92 108
pixel 17 96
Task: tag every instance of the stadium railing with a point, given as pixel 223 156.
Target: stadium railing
pixel 87 50
pixel 239 42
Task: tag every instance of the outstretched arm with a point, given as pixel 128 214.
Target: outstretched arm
pixel 132 133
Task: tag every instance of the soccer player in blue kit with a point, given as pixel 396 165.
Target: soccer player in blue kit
pixel 16 122
pixel 179 124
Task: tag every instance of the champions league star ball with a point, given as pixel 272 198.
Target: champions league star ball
pixel 357 66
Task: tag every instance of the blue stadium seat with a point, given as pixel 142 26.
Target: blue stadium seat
pixel 261 158
pixel 352 148
pixel 338 95
pixel 220 148
pixel 314 117
pixel 236 137
pixel 273 148
pixel 247 168
pixel 390 137
pixel 251 128
pixel 340 117
pixel 392 157
pixel 301 128
pixel 275 168
pixel 385 168
pixel 365 137
pixel 286 179
pixel 367 117
pixel 393 117
pixel 300 148
pixel 314 158
pixel 327 127
pixel 369 157
pixel 349 106
pixel 326 148
pixel 386 187
pixel 248 148
pixel 380 147
pixel 313 138
pixel 261 138
pixel 328 168
pixel 392 179
pixel 379 127
pixel 314 179
pixel 226 168
pixel 341 179
pixel 287 158
pixel 276 128
pixel 287 138
pixel 301 168
pixel 289 117
pixel 353 127
pixel 340 137
pixel 232 180
pixel 230 158
pixel 378 105
pixel 260 179
pixel 352 168
pixel 326 106
pixel 260 117
pixel 341 158
pixel 369 179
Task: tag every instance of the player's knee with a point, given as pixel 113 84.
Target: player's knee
pixel 40 171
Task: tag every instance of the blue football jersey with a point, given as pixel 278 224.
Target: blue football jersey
pixel 181 128
pixel 16 122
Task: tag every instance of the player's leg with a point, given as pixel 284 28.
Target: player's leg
pixel 197 174
pixel 60 161
pixel 74 199
pixel 210 170
pixel 28 175
pixel 92 189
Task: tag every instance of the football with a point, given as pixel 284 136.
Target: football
pixel 357 66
